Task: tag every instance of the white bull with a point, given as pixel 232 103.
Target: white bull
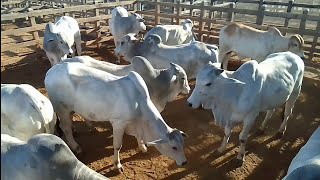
pixel 124 101
pixel 44 156
pixel 191 57
pixel 174 34
pixel 25 111
pixel 248 42
pixel 60 37
pixel 240 96
pixel 163 84
pixel 306 164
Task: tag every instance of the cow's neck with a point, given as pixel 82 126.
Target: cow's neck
pixel 136 50
pixel 154 127
pixel 281 46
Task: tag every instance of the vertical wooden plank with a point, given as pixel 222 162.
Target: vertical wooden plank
pixel 191 9
pixel 98 32
pixel 201 23
pixel 231 12
pixel 179 9
pixel 314 42
pixel 260 15
pixel 289 8
pixel 172 10
pixel 260 4
pixel 156 13
pixel 302 26
pixel 35 33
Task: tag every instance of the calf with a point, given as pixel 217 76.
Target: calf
pixel 44 156
pixel 123 101
pixel 60 37
pixel 163 84
pixel 174 34
pixel 25 111
pixel 240 95
pixel 191 57
pixel 306 164
pixel 256 44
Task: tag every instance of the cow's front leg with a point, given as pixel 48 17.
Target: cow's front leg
pixel 117 144
pixel 227 134
pixel 243 137
pixel 141 145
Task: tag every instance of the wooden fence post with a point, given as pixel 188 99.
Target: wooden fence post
pixel 178 20
pixel 231 12
pixel 98 27
pixel 172 9
pixel 314 42
pixel 35 33
pixel 191 9
pixel 260 4
pixel 260 15
pixel 201 23
pixel 290 5
pixel 156 13
pixel 303 21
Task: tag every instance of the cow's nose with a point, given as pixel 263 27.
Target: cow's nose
pixel 184 163
pixel 189 104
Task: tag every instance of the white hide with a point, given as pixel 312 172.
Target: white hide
pixel 306 164
pixel 191 57
pixel 163 84
pixel 174 34
pixel 60 37
pixel 42 157
pixel 25 111
pixel 248 42
pixel 123 101
pixel 239 96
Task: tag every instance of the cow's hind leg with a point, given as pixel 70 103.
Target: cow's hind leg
pixel 141 145
pixel 227 134
pixel 265 122
pixel 287 112
pixel 224 57
pixel 118 132
pixel 66 126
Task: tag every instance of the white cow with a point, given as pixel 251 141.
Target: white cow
pixel 240 96
pixel 124 101
pixel 306 164
pixel 191 57
pixel 60 37
pixel 44 156
pixel 163 84
pixel 174 34
pixel 121 24
pixel 25 111
pixel 249 42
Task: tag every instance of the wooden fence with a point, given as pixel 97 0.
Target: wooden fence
pixel 208 25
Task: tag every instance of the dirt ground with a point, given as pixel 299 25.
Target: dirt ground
pixel 266 157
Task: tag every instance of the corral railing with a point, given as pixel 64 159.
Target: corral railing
pixel 208 17
pixel 96 14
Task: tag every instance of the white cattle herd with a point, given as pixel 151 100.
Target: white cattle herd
pixel 131 97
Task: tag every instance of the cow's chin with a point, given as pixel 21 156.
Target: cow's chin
pixel 206 106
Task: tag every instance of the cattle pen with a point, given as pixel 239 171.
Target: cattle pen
pixel 24 61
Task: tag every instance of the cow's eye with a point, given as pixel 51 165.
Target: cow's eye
pixel 182 78
pixel 174 148
pixel 122 43
pixel 295 44
pixel 208 84
pixel 61 42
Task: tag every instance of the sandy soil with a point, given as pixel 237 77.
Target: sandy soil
pixel 267 158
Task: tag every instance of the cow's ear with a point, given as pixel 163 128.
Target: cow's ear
pixel 155 142
pixel 53 28
pixel 173 78
pixel 187 27
pixel 185 135
pixel 174 66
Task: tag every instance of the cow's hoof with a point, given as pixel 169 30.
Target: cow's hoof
pixel 118 169
pixel 78 151
pixel 239 162
pixel 220 150
pixel 259 132
pixel 279 135
pixel 143 148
